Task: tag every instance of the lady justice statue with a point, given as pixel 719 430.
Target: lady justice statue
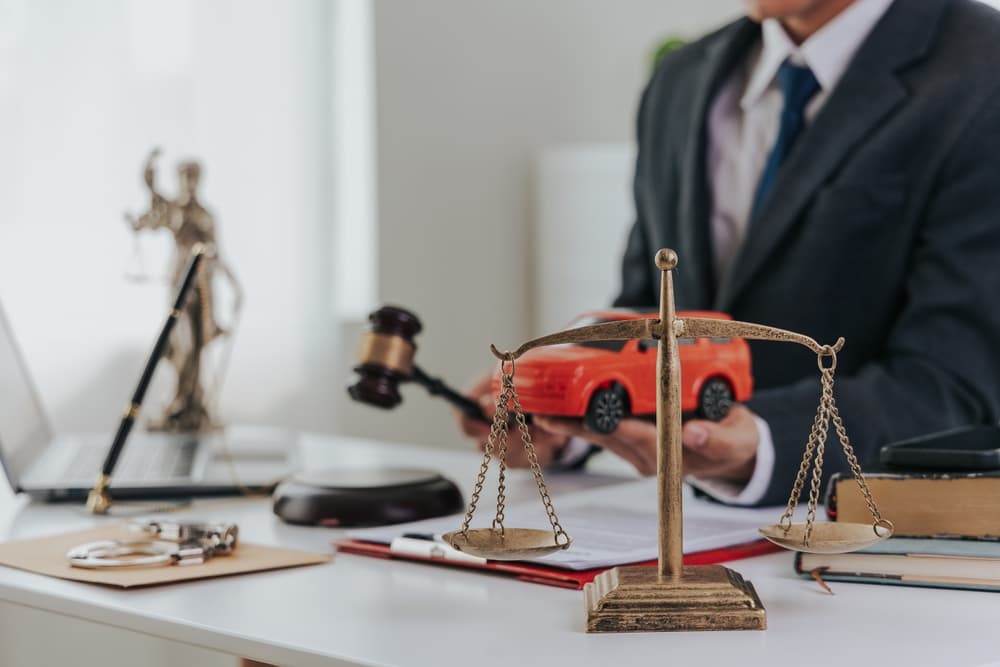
pixel 189 223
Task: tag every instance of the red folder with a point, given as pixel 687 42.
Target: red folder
pixel 553 576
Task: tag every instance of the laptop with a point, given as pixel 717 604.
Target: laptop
pixel 54 467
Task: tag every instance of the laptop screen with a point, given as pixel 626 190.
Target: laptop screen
pixel 24 430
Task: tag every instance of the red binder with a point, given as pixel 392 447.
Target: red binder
pixel 553 576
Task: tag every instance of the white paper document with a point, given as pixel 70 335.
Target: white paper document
pixel 610 526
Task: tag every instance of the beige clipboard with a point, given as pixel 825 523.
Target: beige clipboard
pixel 47 555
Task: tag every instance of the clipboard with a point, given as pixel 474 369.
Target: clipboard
pixel 47 555
pixel 542 574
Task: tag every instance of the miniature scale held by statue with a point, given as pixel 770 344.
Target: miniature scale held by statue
pixel 192 407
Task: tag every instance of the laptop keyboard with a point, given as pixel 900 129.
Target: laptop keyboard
pixel 140 461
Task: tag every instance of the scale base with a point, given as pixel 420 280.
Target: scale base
pixel 706 597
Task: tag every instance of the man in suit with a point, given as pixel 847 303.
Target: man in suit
pixel 830 167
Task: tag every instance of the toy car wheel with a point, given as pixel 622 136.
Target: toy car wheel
pixel 606 410
pixel 715 399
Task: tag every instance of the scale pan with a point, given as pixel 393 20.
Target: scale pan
pixel 513 544
pixel 827 537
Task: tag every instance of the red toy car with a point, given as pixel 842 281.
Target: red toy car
pixel 605 381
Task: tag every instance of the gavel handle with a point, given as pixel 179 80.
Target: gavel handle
pixel 437 387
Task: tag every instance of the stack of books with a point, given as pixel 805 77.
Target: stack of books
pixel 947 531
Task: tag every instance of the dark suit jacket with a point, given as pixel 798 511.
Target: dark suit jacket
pixel 883 227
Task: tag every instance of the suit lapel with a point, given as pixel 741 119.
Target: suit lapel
pixel 694 203
pixel 868 92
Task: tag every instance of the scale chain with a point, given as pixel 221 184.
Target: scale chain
pixel 498 426
pixel 536 470
pixel 508 390
pixel 800 477
pixel 852 460
pixel 826 401
pixel 498 443
pixel 825 413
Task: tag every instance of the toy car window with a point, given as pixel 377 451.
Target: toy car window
pixel 722 340
pixel 685 341
pixel 610 345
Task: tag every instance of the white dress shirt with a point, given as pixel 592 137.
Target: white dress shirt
pixel 743 125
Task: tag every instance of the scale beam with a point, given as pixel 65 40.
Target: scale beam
pixel 684 327
pixel 706 327
pixel 625 330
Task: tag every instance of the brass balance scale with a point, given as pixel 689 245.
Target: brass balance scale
pixel 671 596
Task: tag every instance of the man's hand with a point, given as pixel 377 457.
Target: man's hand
pixel 547 444
pixel 712 450
pixel 634 440
pixel 722 450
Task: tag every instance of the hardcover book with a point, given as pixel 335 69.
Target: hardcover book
pixel 923 504
pixel 931 562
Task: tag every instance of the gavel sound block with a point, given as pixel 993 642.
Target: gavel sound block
pixel 378 495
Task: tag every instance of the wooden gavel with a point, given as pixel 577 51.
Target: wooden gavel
pixel 386 359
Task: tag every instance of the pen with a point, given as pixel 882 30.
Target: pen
pixel 98 500
pixel 425 546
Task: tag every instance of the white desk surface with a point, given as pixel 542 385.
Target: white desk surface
pixel 365 611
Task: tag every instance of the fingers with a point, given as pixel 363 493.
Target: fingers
pixel 546 443
pixel 474 428
pixel 480 391
pixel 717 440
pixel 725 449
pixel 547 447
pixel 711 449
pixel 634 440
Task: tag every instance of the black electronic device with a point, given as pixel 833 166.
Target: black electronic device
pixel 967 448
pixel 354 497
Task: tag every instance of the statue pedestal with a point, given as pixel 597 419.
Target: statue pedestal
pixel 705 597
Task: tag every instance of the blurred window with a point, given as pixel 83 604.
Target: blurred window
pixel 273 98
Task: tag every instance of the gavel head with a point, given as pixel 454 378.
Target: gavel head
pixel 386 357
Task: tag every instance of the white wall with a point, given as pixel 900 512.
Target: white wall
pixel 87 89
pixel 579 186
pixel 467 94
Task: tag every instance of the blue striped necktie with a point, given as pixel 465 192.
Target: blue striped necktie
pixel 798 86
